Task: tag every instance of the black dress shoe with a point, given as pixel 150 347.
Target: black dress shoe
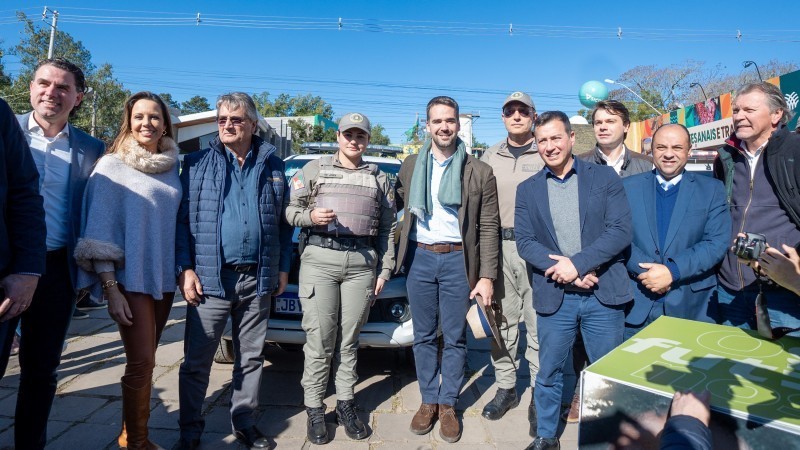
pixel 188 444
pixel 317 431
pixel 541 443
pixel 503 400
pixel 354 428
pixel 252 437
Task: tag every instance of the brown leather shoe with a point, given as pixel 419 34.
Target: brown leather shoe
pixel 449 427
pixel 573 414
pixel 423 420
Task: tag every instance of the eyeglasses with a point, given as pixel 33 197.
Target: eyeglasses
pixel 235 120
pixel 523 111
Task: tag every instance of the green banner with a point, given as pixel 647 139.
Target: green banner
pixel 748 376
pixel 790 86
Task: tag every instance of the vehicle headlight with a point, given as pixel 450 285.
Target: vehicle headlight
pixel 399 311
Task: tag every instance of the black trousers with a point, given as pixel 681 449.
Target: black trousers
pixel 6 338
pixel 44 327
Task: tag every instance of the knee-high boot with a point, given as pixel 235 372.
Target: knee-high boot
pixel 135 415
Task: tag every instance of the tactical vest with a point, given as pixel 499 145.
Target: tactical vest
pixel 353 195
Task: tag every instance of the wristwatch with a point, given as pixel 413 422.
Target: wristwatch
pixel 108 284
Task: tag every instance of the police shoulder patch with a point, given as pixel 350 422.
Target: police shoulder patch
pixel 297 181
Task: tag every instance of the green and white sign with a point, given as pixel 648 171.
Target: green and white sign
pixel 749 377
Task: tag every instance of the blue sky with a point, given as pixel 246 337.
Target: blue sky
pixel 389 58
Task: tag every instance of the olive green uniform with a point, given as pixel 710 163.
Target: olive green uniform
pixel 337 285
pixel 513 292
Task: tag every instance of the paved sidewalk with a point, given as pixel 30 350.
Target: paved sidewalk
pixel 87 410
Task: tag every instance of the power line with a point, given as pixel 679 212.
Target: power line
pixel 96 16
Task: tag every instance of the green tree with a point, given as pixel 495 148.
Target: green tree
pixel 586 114
pixel 478 144
pixel 171 103
pixel 34 44
pixel 378 135
pixel 5 80
pixel 285 105
pixel 107 94
pixel 106 100
pixel 302 132
pixel 195 104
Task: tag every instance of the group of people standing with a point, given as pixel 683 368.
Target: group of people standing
pixel 582 256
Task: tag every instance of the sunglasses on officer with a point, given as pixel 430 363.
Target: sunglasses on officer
pixel 523 111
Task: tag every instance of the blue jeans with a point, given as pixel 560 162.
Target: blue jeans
pixel 438 290
pixel 656 311
pixel 601 327
pixel 737 308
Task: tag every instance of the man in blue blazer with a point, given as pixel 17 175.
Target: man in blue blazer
pixel 572 224
pixel 681 227
pixel 64 157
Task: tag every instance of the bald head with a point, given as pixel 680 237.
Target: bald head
pixel 671 147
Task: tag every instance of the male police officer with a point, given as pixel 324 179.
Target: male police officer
pixel 513 160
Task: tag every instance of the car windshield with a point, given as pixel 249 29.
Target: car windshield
pixel 391 170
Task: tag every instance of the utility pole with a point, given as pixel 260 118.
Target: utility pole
pixel 53 28
pixel 90 90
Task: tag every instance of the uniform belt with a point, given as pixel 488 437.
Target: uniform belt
pixel 340 243
pixel 240 268
pixel 443 247
pixel 507 234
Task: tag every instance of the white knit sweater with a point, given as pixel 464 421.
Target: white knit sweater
pixel 131 205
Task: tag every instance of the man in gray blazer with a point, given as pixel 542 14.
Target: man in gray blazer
pixel 64 157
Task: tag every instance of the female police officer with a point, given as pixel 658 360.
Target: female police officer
pixel 346 208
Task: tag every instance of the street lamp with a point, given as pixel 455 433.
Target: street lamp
pixel 609 81
pixel 753 63
pixel 701 89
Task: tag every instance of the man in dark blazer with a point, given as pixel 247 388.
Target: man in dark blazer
pixel 449 246
pixel 22 232
pixel 681 229
pixel 64 157
pixel 572 223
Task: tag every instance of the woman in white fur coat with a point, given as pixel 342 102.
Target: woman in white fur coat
pixel 127 246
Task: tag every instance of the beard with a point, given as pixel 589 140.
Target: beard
pixel 442 142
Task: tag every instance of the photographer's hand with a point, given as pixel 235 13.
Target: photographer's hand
pixel 782 269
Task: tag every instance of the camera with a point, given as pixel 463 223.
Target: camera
pixel 750 246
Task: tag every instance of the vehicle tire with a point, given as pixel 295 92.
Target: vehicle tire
pixel 224 354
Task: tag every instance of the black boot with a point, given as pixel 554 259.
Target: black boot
pixel 346 414
pixel 532 418
pixel 503 400
pixel 317 430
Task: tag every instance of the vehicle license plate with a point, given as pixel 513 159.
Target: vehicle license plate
pixel 288 304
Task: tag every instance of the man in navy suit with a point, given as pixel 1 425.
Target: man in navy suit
pixel 681 227
pixel 572 224
pixel 64 157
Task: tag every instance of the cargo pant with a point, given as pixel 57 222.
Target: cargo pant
pixel 514 296
pixel 336 289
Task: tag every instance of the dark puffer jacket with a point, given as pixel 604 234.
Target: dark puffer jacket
pixel 199 218
pixel 782 163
